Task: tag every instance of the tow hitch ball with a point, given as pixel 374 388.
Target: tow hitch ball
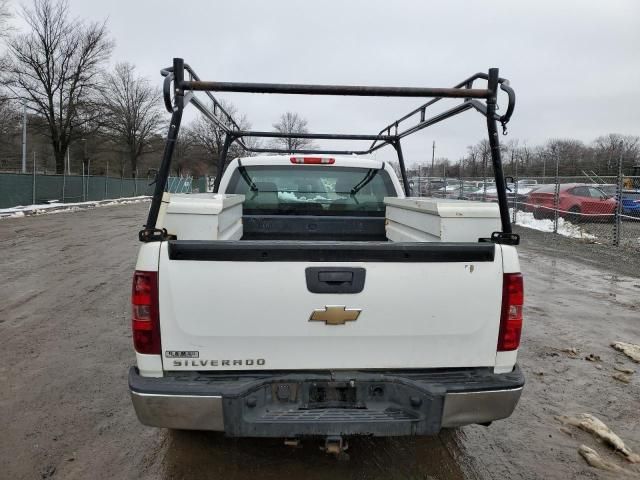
pixel 336 445
pixel 333 445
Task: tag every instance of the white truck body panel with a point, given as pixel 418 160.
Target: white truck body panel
pixel 439 315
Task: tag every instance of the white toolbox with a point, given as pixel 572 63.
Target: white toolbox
pixel 426 219
pixel 202 216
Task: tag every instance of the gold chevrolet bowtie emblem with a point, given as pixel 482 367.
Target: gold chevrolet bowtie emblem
pixel 335 315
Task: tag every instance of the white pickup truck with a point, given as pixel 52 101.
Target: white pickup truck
pixel 310 297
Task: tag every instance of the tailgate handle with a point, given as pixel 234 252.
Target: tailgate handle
pixel 335 279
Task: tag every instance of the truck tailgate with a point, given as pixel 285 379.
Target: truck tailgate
pixel 246 305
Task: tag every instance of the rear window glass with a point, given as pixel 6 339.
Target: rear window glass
pixel 545 189
pixel 609 189
pixel 580 192
pixel 596 192
pixel 312 190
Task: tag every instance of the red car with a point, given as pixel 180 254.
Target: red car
pixel 577 202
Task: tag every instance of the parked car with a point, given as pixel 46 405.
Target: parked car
pixel 631 203
pixel 456 190
pixel 491 194
pixel 526 182
pixel 577 202
pixel 630 199
pixel 425 186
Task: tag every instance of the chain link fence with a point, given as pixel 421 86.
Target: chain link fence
pixel 588 207
pixel 18 189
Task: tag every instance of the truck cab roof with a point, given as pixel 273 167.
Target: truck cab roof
pixel 354 161
pixel 301 161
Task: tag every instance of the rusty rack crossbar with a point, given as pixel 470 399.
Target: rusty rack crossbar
pixel 178 92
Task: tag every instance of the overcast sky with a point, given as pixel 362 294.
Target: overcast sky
pixel 575 65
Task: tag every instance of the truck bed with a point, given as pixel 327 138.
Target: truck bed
pixel 303 227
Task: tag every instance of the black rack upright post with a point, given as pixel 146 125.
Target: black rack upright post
pixel 403 171
pixel 494 143
pixel 172 138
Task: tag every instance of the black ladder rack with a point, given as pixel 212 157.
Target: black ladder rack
pixel 178 92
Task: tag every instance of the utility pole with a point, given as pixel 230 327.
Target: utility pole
pixel 33 188
pixel 85 159
pixel 85 165
pixel 106 180
pixel 618 211
pixel 433 156
pixel 24 136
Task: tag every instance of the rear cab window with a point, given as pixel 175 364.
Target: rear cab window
pixel 312 190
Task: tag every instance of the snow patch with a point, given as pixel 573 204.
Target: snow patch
pixel 292 197
pixel 57 207
pixel 565 228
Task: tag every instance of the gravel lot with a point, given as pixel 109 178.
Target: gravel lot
pixel 64 325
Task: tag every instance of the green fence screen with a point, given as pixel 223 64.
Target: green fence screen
pixel 27 189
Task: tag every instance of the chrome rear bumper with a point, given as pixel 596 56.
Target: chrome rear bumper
pixel 183 412
pixel 233 410
pixel 479 407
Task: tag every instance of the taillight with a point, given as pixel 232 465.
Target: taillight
pixel 145 320
pixel 313 160
pixel 511 315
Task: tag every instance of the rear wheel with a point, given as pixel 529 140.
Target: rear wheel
pixel 538 214
pixel 574 215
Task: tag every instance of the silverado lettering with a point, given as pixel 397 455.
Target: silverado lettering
pixel 217 363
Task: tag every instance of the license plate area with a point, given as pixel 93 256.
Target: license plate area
pixel 333 395
pixel 289 407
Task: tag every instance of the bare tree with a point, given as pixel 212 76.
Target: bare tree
pixel 189 157
pixel 210 136
pixel 5 29
pixel 608 148
pixel 55 67
pixel 292 123
pixel 132 110
pixel 182 151
pixel 9 128
pixel 5 16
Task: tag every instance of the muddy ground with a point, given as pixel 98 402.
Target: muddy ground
pixel 66 347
